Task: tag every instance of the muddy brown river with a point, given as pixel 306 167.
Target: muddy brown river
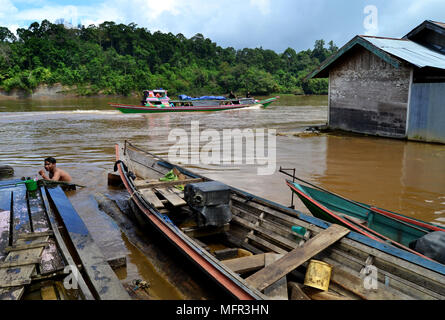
pixel 400 176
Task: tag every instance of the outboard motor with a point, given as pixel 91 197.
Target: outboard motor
pixel 210 201
pixel 431 245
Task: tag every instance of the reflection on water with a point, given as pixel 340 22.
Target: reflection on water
pixel 405 177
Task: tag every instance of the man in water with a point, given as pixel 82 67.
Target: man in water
pixel 55 174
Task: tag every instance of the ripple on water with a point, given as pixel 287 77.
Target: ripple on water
pixel 384 172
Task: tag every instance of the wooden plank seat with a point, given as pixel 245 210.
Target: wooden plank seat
pixel 196 232
pixel 143 184
pixel 275 271
pixel 20 263
pixel 151 197
pixel 35 234
pixel 172 197
pixel 249 263
pixel 178 192
pixel 278 290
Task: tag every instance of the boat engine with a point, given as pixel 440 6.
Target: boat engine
pixel 211 203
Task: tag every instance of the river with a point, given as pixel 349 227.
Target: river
pixel 401 176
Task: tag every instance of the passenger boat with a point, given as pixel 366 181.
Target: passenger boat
pixel 255 249
pixel 46 251
pixel 157 101
pixel 376 223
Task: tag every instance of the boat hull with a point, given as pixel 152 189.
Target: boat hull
pixel 201 108
pixel 149 215
pixel 333 209
pixel 268 227
pixel 137 109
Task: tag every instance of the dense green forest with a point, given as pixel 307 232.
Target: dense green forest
pixel 121 59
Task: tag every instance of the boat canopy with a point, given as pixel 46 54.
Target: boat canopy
pixel 185 97
pixel 152 93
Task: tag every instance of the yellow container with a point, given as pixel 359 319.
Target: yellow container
pixel 318 275
pixel 244 253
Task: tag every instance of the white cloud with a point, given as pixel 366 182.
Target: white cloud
pixel 130 10
pixel 7 9
pixel 262 5
pixel 397 23
pixel 154 8
pixel 51 13
pixel 237 23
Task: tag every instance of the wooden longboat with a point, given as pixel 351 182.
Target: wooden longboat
pixel 277 257
pixel 165 105
pixel 379 224
pixel 46 251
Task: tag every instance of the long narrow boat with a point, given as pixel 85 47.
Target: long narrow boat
pixel 379 224
pixel 46 251
pixel 158 102
pixel 256 249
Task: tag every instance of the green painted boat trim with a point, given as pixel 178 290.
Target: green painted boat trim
pixel 141 109
pixel 268 102
pixel 165 110
pixel 377 245
pixel 399 231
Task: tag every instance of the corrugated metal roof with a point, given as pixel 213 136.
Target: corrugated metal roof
pixel 391 50
pixel 409 51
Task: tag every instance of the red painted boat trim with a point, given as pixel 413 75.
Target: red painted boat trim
pixel 409 220
pixel 354 227
pixel 226 107
pixel 333 215
pixel 395 243
pixel 208 267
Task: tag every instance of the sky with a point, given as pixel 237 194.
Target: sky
pixel 270 24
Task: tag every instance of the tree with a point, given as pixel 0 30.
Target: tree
pixel 6 35
pixel 120 59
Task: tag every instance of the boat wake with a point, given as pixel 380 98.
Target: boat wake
pixel 45 115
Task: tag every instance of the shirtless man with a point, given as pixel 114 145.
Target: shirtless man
pixel 55 174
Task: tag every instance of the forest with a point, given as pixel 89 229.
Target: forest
pixel 120 59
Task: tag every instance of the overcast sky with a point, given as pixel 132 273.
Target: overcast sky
pixel 271 24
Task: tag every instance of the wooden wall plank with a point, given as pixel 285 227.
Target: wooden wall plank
pixel 21 223
pixel 39 220
pixel 5 214
pixel 11 293
pixel 278 290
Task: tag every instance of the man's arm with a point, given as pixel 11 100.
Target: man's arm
pixel 56 176
pixel 44 176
